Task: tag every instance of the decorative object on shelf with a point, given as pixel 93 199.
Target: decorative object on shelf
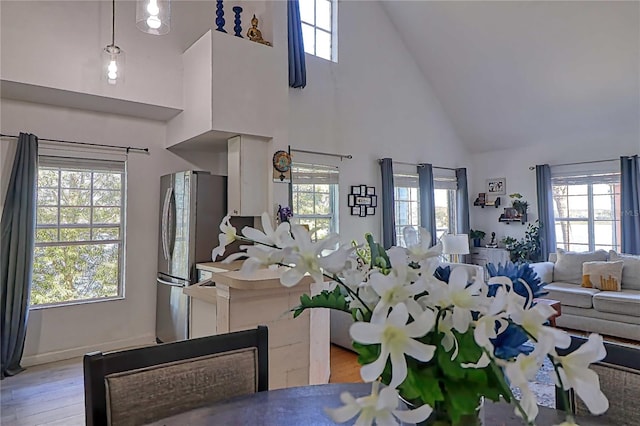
pixel 282 166
pixel 516 213
pixel 363 200
pixel 237 28
pixel 113 55
pixel 153 16
pixel 443 342
pixel 482 201
pixel 284 213
pixel 254 34
pixel 492 243
pixel 526 249
pixel 496 186
pixel 455 245
pixel 477 236
pixel 220 16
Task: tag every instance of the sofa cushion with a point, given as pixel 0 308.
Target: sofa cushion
pixel 630 270
pixel 570 294
pixel 602 275
pixel 620 302
pixel 568 267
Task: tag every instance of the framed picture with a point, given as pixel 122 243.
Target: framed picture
pixel 355 211
pixel 371 190
pixel 355 190
pixel 363 189
pixel 371 211
pixel 496 186
pixel 363 211
pixel 374 201
pixel 352 200
pixel 363 201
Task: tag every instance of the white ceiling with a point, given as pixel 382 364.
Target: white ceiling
pixel 528 72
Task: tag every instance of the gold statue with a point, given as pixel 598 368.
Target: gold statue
pixel 254 33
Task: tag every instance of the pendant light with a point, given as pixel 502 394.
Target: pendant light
pixel 112 54
pixel 153 16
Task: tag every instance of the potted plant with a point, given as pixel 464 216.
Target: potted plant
pixel 477 236
pixel 521 206
pixel 526 249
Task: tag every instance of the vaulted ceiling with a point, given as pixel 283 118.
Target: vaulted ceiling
pixel 518 73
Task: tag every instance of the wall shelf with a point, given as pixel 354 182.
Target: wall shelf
pixel 519 219
pixel 482 204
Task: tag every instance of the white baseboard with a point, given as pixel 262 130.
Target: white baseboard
pixel 47 357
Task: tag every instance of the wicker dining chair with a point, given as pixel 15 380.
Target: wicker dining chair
pixel 139 386
pixel 619 374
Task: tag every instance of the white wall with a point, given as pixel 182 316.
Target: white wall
pixel 57 333
pixel 514 165
pixel 373 103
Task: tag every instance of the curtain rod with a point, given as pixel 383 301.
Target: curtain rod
pixel 341 156
pixel 419 165
pixel 127 148
pixel 578 162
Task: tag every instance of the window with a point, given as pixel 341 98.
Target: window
pixel 407 204
pixel 587 210
pixel 315 198
pixel 319 19
pixel 79 230
pixel 406 197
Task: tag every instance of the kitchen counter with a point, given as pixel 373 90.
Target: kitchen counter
pixel 298 347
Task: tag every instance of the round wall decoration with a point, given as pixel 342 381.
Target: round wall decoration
pixel 282 164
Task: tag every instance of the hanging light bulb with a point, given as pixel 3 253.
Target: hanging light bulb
pixel 113 55
pixel 153 16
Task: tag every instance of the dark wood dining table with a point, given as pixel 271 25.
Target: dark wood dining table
pixel 305 406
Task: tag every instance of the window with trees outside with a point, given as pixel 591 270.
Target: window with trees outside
pixel 79 230
pixel 587 211
pixel 319 22
pixel 315 198
pixel 407 204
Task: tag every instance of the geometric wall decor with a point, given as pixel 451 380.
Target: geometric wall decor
pixel 363 200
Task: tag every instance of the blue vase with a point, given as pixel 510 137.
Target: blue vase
pixel 237 28
pixel 220 16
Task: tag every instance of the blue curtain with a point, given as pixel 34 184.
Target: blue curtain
pixel 545 211
pixel 630 197
pixel 16 252
pixel 427 201
pixel 297 68
pixel 462 206
pixel 388 215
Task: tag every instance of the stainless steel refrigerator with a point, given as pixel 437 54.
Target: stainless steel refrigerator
pixel 192 205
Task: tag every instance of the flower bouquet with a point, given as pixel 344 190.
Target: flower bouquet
pixel 438 340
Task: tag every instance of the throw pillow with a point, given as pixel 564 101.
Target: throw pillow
pixel 630 270
pixel 606 276
pixel 568 267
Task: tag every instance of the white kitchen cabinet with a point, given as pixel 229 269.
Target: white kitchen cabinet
pixel 203 318
pixel 248 176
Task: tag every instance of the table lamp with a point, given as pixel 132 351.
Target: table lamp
pixel 455 244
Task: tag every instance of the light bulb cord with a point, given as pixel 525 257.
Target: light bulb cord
pixel 113 22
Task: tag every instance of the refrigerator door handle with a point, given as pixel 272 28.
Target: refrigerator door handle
pixel 165 223
pixel 161 281
pixel 172 222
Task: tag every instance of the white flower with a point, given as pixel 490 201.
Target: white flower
pixel 278 237
pixel 575 373
pixel 377 407
pixel 258 257
pixel 569 422
pixel 533 320
pixel 458 293
pixel 492 322
pixel 394 289
pixel 227 236
pixel 305 256
pixel 396 338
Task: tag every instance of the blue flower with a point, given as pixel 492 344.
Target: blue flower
pixel 510 343
pixel 522 275
pixel 443 274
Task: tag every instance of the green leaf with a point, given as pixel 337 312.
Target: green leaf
pixel 326 299
pixel 422 384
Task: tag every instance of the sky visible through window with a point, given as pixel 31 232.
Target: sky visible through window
pixel 318 27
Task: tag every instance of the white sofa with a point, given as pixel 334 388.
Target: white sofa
pixel 613 313
pixel 341 321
